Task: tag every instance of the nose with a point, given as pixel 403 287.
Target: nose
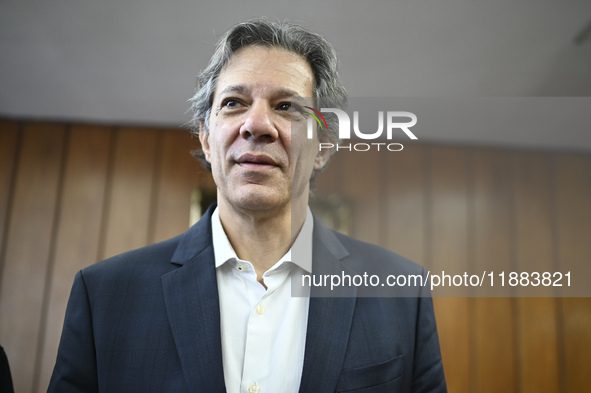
pixel 259 123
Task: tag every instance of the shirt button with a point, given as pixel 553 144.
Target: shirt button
pixel 260 309
pixel 253 388
pixel 240 267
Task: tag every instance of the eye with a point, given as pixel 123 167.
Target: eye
pixel 284 106
pixel 231 103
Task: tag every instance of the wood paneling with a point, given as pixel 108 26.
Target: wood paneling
pixel 72 196
pixel 448 251
pixel 573 202
pixel 177 174
pixel 131 190
pixel 78 234
pixel 448 208
pixel 493 351
pixel 8 150
pixel 576 323
pixel 29 247
pixel 536 323
pixel 361 184
pixel 329 180
pixel 405 203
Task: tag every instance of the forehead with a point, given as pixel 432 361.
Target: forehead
pixel 264 71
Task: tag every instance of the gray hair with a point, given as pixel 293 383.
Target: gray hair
pixel 328 89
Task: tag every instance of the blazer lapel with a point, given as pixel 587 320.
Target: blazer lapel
pixel 192 304
pixel 329 318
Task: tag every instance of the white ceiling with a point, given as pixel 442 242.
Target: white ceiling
pixel 135 61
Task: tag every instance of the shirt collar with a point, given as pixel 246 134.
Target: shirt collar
pixel 300 253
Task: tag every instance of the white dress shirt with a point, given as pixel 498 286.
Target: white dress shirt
pixel 263 331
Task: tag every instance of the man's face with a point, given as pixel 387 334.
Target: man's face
pixel 257 163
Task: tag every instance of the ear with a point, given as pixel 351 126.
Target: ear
pixel 204 139
pixel 323 154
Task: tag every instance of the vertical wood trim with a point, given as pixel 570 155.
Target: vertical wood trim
pixel 512 267
pixel 10 141
pixel 157 172
pixel 428 212
pixel 471 255
pixel 493 348
pixel 362 185
pixel 77 236
pixel 577 325
pixel 449 236
pixel 405 203
pixel 536 322
pixel 104 220
pixel 131 191
pixel 178 176
pixel 328 180
pixel 50 262
pixel 558 309
pixel 449 211
pixel 329 184
pixel 29 244
pixel 573 200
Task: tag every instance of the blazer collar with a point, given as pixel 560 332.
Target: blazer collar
pixel 329 318
pixel 191 298
pixel 195 240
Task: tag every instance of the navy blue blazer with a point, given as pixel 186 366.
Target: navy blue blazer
pixel 149 321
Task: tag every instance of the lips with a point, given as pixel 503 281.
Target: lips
pixel 256 161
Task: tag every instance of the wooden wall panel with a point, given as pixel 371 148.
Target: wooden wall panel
pixel 29 247
pixel 131 190
pixel 78 234
pixel 493 324
pixel 178 173
pixel 404 209
pixel 362 185
pixel 449 209
pixel 573 202
pixel 8 152
pixel 447 233
pixel 576 339
pixel 536 323
pixel 329 187
pixel 328 180
pixel 72 197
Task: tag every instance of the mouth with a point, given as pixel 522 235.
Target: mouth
pixel 256 161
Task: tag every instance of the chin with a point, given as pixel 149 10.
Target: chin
pixel 260 199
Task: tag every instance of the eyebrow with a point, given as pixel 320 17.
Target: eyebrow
pixel 234 89
pixel 243 89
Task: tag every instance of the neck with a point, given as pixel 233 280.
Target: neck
pixel 262 238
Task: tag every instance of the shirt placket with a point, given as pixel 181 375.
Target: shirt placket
pixel 260 335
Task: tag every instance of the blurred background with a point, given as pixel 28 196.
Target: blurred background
pixel 94 161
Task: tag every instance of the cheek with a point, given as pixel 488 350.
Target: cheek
pixel 304 157
pixel 220 140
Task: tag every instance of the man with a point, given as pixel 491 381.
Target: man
pixel 5 376
pixel 211 310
